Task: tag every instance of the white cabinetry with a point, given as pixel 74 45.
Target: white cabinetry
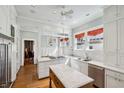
pixel 43 67
pixel 110 14
pixel 75 64
pixel 120 11
pixel 79 66
pixel 121 43
pixel 3 22
pixel 113 36
pixel 110 31
pixel 114 79
pixel 84 68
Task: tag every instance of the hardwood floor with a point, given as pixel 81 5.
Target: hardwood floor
pixel 27 78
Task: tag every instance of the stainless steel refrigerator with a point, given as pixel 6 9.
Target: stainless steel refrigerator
pixel 5 65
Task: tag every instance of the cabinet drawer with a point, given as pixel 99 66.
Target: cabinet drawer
pixel 117 75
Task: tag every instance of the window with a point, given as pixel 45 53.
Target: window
pixel 80 40
pixel 95 39
pixel 89 40
pixel 64 42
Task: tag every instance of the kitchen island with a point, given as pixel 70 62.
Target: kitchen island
pixel 45 62
pixel 64 76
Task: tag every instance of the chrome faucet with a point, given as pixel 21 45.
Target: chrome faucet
pixel 87 58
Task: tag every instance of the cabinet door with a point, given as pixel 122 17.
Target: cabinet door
pixel 110 36
pixel 120 11
pixel 110 43
pixel 110 58
pixel 111 82
pixel 121 43
pixel 110 14
pixel 84 68
pixel 75 65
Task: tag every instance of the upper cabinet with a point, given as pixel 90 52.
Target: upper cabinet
pixel 3 22
pixel 110 14
pixel 113 13
pixel 110 43
pixel 121 43
pixel 110 36
pixel 7 17
pixel 120 11
pixel 114 36
pixel 121 35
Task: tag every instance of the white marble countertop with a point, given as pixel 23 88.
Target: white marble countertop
pixel 44 59
pixel 101 64
pixel 69 77
pixel 47 59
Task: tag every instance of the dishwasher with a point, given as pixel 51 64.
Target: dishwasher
pixel 97 73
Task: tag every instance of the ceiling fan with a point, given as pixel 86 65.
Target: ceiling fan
pixel 64 11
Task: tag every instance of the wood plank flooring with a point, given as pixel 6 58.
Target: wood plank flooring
pixel 27 78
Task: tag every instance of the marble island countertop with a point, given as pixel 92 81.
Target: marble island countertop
pixel 70 77
pixel 47 59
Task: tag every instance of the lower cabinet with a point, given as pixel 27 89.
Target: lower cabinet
pixel 43 67
pixel 114 79
pixel 75 64
pixel 84 68
pixel 80 66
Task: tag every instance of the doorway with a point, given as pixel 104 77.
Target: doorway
pixel 28 52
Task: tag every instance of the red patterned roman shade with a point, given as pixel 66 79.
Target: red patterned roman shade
pixel 95 32
pixel 80 35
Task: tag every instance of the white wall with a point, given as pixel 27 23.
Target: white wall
pixel 27 35
pixel 96 54
pixel 35 30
